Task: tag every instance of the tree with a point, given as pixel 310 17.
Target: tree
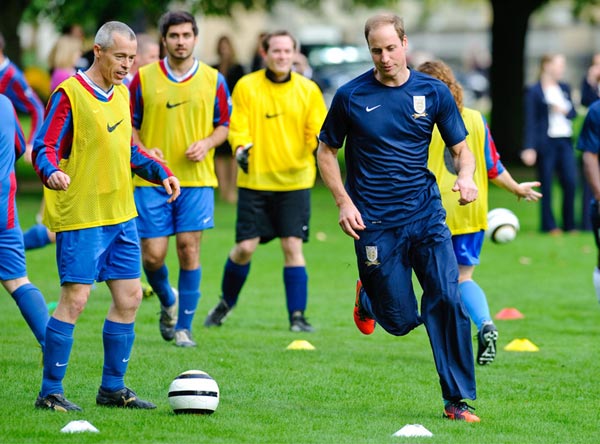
pixel 12 12
pixel 509 29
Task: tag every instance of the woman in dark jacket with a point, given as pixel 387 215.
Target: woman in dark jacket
pixel 549 114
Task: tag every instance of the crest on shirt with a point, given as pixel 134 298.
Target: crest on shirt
pixel 371 251
pixel 419 105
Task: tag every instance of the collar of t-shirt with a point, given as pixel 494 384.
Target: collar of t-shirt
pixel 273 77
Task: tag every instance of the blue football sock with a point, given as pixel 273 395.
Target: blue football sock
pixel 159 281
pixel 234 277
pixel 189 295
pixel 475 302
pixel 36 237
pixel 118 341
pixel 59 341
pixel 295 280
pixel 34 309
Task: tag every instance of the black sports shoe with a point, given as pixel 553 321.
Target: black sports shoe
pixel 217 315
pixel 56 401
pixel 298 323
pixel 486 339
pixel 122 398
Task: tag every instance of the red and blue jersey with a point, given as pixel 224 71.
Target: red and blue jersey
pixel 12 146
pixel 87 135
pixel 171 113
pixel 14 86
pixel 56 137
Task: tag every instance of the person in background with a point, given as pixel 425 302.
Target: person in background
pixel 276 117
pixel 391 204
pixel 13 270
pixel 148 52
pixel 549 114
pixel 590 84
pixel 14 86
pixel 180 108
pixel 225 164
pixel 258 60
pixel 84 155
pixel 468 223
pixel 301 66
pixel 63 58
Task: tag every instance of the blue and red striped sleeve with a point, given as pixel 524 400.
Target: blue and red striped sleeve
pixel 19 138
pixel 222 103
pixel 55 138
pixel 136 101
pixel 147 167
pixel 492 157
pixel 24 99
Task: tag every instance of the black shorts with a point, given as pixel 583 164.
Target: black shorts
pixel 224 150
pixel 271 214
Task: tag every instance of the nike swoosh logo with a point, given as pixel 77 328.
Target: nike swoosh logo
pixel 188 312
pixel 206 220
pixel 58 364
pixel 369 109
pixel 113 127
pixel 173 105
pixel 125 360
pixel 270 116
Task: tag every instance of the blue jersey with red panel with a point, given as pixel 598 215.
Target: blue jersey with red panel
pixel 24 99
pixel 387 131
pixel 12 146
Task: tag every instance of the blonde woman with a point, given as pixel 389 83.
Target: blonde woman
pixel 63 58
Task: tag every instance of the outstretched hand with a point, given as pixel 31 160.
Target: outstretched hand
pixel 526 191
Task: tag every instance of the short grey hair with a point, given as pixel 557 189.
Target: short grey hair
pixel 104 37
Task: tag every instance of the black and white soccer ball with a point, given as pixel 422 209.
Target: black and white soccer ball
pixel 503 225
pixel 194 392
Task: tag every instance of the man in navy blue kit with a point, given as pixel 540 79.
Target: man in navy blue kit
pixel 392 208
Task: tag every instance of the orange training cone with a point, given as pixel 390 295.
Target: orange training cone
pixel 509 313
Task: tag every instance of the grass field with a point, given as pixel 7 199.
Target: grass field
pixel 352 388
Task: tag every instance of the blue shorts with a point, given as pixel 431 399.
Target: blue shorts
pixel 99 254
pixel 12 254
pixel 467 247
pixel 193 210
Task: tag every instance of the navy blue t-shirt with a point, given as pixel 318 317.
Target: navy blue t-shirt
pixel 589 138
pixel 387 131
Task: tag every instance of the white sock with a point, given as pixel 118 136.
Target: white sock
pixel 597 282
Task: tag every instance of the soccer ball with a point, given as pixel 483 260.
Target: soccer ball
pixel 195 392
pixel 503 225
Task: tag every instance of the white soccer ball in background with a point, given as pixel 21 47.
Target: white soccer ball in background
pixel 503 225
pixel 195 392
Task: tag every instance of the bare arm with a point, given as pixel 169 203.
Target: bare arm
pixel 464 163
pixel 592 172
pixel 523 190
pixel 350 219
pixel 197 151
